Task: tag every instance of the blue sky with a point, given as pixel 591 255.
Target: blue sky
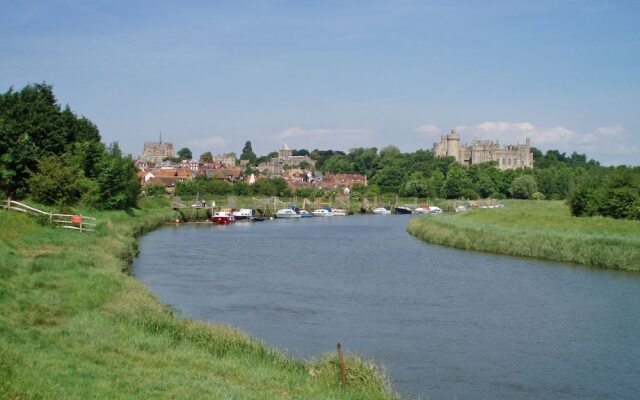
pixel 337 74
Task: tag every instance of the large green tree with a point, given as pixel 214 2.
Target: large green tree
pixel 118 186
pixel 185 154
pixel 247 153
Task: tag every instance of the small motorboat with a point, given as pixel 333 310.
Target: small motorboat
pixel 305 214
pixel 403 210
pixel 338 212
pixel 223 217
pixel 243 214
pixel 322 212
pixel 381 211
pixel 287 213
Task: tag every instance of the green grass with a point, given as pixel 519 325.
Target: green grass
pixel 539 229
pixel 75 325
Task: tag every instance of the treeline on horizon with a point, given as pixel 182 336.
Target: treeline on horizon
pixel 55 157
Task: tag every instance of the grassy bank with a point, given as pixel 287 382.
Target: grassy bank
pixel 73 325
pixel 539 229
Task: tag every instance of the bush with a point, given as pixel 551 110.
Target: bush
pixel 56 182
pixel 538 196
pixel 523 187
pixel 154 190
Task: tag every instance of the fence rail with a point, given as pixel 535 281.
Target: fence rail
pixel 66 221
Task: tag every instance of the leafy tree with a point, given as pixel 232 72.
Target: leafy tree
pixel 154 190
pixel 184 154
pixel 241 188
pixel 456 181
pixel 390 179
pixel 247 153
pixel 118 186
pixel 338 164
pixel 523 187
pixel 57 182
pixel 206 157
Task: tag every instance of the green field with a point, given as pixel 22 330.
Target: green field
pixel 75 325
pixel 539 229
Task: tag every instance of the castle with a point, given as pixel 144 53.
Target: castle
pixel 480 151
pixel 276 166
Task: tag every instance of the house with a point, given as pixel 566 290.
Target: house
pixel 228 174
pixel 193 165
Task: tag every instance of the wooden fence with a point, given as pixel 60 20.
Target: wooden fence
pixel 67 221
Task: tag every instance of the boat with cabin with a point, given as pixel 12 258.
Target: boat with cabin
pixel 381 211
pixel 223 217
pixel 322 212
pixel 287 213
pixel 244 214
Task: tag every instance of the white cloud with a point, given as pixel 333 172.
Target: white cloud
pixel 615 130
pixel 505 126
pixel 427 129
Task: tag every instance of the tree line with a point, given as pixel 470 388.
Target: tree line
pixel 56 157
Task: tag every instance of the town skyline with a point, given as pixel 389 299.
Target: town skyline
pixel 338 75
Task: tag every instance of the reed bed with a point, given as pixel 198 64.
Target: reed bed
pixel 539 229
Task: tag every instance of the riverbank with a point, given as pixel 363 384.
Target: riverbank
pixel 539 229
pixel 74 325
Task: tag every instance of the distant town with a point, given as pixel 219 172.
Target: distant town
pixel 159 165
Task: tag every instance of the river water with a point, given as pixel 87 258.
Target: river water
pixel 445 323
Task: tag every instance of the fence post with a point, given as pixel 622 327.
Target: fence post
pixel 9 203
pixel 343 372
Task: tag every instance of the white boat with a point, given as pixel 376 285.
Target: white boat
pixel 422 210
pixel 305 214
pixel 381 211
pixel 338 212
pixel 287 213
pixel 322 212
pixel 435 210
pixel 243 214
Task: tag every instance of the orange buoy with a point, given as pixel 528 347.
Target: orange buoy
pixel 76 219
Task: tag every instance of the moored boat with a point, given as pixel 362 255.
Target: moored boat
pixel 322 212
pixel 223 217
pixel 403 210
pixel 244 214
pixel 338 212
pixel 305 214
pixel 381 211
pixel 287 213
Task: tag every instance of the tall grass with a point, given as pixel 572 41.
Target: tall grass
pixel 537 229
pixel 74 326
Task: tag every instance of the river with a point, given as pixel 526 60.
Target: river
pixel 445 323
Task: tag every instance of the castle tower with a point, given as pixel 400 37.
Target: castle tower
pixel 285 152
pixel 453 145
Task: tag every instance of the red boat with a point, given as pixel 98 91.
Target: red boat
pixel 223 217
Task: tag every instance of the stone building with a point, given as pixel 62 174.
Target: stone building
pixel 480 151
pixel 156 151
pixel 276 166
pixel 228 159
